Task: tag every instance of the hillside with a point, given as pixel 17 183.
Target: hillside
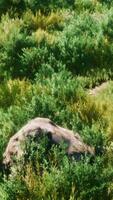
pixel 56 62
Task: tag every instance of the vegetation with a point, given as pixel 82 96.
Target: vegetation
pixel 51 54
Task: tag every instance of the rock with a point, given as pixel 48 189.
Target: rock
pixel 35 128
pixel 98 89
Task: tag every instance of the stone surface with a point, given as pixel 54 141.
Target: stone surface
pixel 35 128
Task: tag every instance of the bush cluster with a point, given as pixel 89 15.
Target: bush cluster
pixel 51 54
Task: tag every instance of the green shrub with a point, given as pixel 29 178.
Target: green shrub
pixel 17 5
pixel 51 53
pixel 52 21
pixel 6 130
pixel 14 93
pixel 45 6
pixel 83 45
pixel 57 177
pixel 10 64
pixel 83 5
pixel 32 60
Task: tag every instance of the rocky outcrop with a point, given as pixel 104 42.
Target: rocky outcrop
pixel 39 126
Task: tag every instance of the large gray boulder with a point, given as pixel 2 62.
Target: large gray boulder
pixel 35 128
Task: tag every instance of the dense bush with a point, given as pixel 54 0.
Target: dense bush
pixel 51 54
pixel 83 44
pixel 63 178
pixel 45 6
